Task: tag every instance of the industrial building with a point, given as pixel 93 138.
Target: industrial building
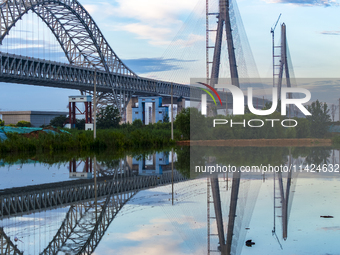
pixel 149 110
pixel 37 118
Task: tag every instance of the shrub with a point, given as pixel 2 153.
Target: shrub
pixel 137 123
pixel 24 123
pixel 58 121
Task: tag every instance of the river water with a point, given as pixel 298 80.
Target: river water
pixel 144 204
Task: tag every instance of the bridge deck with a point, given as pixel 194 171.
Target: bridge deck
pixel 20 201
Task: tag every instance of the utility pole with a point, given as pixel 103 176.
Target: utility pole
pixel 95 183
pixel 95 104
pixel 339 109
pixel 172 115
pixel 172 175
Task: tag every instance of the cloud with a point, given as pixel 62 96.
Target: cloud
pixel 154 20
pixel 335 228
pixel 154 34
pixel 163 246
pixel 159 35
pixel 330 32
pixel 147 65
pixel 156 237
pixel 325 3
pixel 146 232
pixel 191 40
pixel 147 11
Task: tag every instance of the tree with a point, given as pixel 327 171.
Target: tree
pixel 166 118
pixel 319 120
pixel 333 111
pixel 192 124
pixel 2 123
pixel 303 128
pixel 108 117
pixel 80 124
pixel 268 105
pixel 58 121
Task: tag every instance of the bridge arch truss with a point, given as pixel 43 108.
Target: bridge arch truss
pixel 77 33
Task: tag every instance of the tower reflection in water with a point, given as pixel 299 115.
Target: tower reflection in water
pixel 241 191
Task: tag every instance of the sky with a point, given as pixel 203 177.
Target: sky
pixel 166 40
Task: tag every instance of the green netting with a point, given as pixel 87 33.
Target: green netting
pixel 23 130
pixel 334 129
pixel 20 130
pixel 2 134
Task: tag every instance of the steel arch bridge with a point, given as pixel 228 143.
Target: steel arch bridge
pixel 78 35
pixel 86 50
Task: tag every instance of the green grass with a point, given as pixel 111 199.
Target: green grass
pixel 128 137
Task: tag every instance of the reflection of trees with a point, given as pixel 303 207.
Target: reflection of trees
pixel 239 156
pixel 318 155
pixel 314 155
pixel 187 156
pixel 110 164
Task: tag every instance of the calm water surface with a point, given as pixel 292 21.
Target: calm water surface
pixel 141 206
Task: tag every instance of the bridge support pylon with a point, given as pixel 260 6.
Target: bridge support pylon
pixel 223 20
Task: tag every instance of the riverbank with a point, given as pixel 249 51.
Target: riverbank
pixel 130 137
pixel 296 142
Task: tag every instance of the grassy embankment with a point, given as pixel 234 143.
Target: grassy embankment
pixel 127 137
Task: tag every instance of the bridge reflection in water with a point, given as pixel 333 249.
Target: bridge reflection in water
pixel 92 204
pixel 85 210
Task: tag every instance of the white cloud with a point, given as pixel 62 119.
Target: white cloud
pixel 325 3
pixel 191 40
pixel 330 32
pixel 91 8
pixel 158 228
pixel 147 32
pixel 156 237
pixel 154 20
pixel 160 11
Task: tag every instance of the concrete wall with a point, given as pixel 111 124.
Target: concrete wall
pixel 38 120
pixel 15 118
pixel 131 104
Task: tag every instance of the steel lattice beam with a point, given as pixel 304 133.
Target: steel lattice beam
pixel 75 214
pixel 21 201
pixel 25 70
pixel 6 245
pixel 84 226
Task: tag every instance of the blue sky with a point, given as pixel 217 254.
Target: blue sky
pixel 166 40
